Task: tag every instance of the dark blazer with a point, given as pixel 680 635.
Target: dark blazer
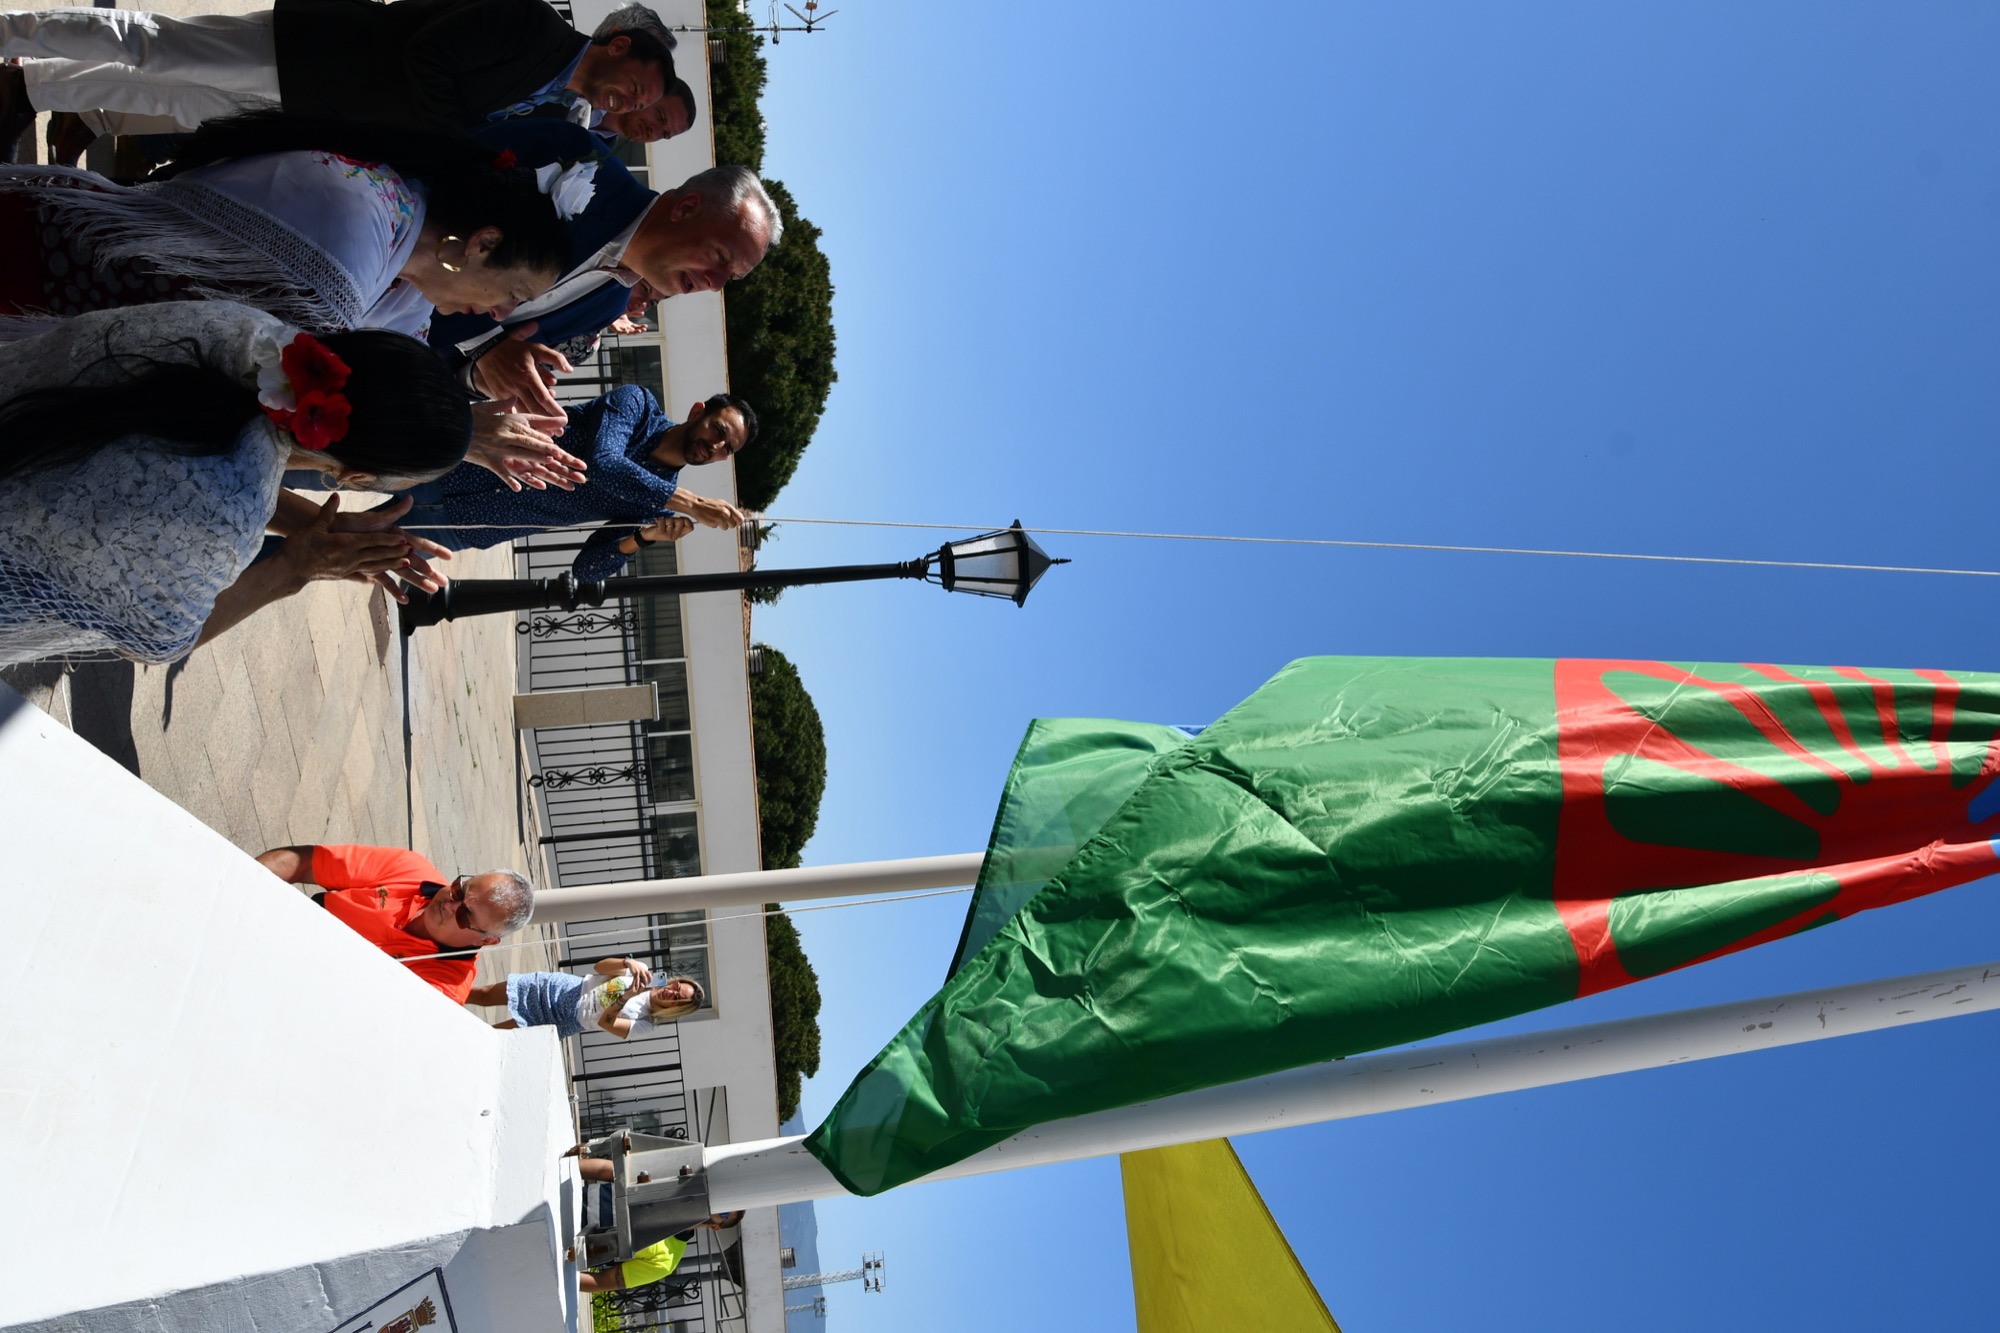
pixel 439 64
pixel 615 204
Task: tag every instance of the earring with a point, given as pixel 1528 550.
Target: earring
pixel 450 268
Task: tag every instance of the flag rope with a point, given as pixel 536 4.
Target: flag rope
pixel 1357 544
pixel 1237 539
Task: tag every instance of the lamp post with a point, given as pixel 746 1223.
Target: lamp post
pixel 1006 563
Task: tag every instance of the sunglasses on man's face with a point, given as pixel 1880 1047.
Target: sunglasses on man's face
pixel 462 913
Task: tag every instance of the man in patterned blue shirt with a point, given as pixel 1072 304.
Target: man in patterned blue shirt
pixel 635 454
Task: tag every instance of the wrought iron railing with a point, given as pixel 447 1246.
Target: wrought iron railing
pixel 617 807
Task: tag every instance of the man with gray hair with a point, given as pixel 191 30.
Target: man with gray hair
pixel 715 228
pixel 402 904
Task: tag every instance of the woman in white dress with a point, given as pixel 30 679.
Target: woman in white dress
pixel 140 457
pixel 330 226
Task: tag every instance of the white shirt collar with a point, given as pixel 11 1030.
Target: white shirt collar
pixel 603 266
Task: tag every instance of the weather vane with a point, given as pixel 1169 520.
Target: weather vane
pixel 809 20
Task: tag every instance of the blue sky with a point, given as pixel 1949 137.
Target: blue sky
pixel 1692 278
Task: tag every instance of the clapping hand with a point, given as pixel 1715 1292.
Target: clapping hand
pixel 516 368
pixel 366 547
pixel 518 447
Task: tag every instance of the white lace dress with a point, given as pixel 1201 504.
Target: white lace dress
pixel 126 551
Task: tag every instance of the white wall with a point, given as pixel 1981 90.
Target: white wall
pixel 222 1105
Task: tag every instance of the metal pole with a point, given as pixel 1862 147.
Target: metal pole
pixel 484 597
pixel 773 1171
pixel 755 887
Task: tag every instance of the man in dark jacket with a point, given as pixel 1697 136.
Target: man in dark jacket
pixel 713 229
pixel 437 64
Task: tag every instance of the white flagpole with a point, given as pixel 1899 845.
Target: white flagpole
pixel 774 1171
pixel 752 888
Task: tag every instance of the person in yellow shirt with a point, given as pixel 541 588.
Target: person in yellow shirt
pixel 654 1262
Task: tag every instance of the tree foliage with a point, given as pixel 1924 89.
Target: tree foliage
pixel 781 352
pixel 781 316
pixel 794 1010
pixel 790 746
pixel 735 84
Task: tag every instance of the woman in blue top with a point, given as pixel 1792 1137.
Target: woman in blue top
pixel 635 453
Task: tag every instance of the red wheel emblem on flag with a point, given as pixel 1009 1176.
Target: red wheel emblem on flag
pixel 1794 800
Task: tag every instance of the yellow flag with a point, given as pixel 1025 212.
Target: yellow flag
pixel 1206 1254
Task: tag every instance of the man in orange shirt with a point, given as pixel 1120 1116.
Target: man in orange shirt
pixel 406 907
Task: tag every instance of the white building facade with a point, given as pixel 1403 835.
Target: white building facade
pixel 677 795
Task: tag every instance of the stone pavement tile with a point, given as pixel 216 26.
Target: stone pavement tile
pixel 342 641
pixel 342 705
pixel 294 694
pixel 240 664
pixel 356 764
pixel 269 657
pixel 345 820
pixel 234 740
pixel 150 742
pixel 193 784
pixel 361 755
pixel 183 696
pixel 274 784
pixel 308 815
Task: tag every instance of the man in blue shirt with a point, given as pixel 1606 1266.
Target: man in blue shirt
pixel 635 453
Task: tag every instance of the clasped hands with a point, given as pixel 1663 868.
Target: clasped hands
pixel 367 547
pixel 692 509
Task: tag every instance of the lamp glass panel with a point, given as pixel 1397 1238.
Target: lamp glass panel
pixel 996 568
pixel 990 564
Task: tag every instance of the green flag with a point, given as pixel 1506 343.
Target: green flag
pixel 1069 776
pixel 1371 851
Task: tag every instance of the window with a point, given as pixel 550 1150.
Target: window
pixel 680 948
pixel 669 741
pixel 636 363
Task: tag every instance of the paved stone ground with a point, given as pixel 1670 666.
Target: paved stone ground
pixel 290 730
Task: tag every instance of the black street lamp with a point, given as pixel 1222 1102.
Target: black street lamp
pixel 1006 564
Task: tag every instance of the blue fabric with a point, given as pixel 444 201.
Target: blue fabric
pixel 616 204
pixel 545 999
pixel 614 434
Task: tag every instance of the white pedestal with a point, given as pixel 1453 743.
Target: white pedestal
pixel 222 1110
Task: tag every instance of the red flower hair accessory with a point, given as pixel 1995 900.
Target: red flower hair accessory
pixel 300 390
pixel 504 160
pixel 320 419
